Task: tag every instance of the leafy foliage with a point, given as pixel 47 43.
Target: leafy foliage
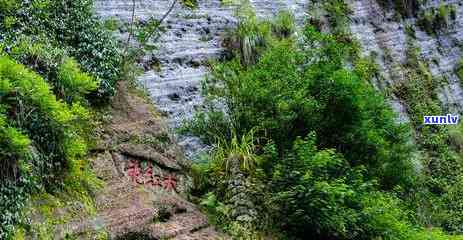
pixel 441 156
pixel 434 19
pixel 332 161
pixel 338 15
pixel 73 82
pixel 45 32
pixel 283 99
pixel 56 59
pixel 317 185
pixel 42 138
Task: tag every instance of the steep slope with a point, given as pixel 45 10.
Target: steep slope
pixel 380 32
pixel 144 182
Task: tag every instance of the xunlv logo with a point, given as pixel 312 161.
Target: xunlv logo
pixel 439 120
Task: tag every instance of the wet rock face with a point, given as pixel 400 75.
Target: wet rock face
pixel 174 72
pixel 193 37
pixel 379 31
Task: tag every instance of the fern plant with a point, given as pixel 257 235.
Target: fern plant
pixel 43 139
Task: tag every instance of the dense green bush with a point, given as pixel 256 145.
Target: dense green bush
pixel 338 15
pixel 42 137
pixel 73 83
pixel 320 188
pixel 286 100
pixel 66 26
pixel 56 59
pixel 321 196
pixel 356 175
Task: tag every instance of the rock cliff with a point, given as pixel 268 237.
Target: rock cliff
pixel 194 36
pixel 144 183
pixel 380 32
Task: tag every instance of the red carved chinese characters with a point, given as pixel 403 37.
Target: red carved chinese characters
pixel 157 181
pixel 170 183
pixel 134 172
pixel 148 177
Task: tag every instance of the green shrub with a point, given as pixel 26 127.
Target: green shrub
pixel 53 118
pixel 285 99
pixel 8 6
pixel 64 73
pixel 208 126
pixel 14 143
pixel 366 68
pixel 291 91
pixel 69 26
pixel 338 12
pixel 252 36
pixel 42 138
pixel 331 200
pixel 283 26
pixel 44 126
pixel 434 19
pixel 73 83
pixel 358 174
pixel 249 38
pixel 315 184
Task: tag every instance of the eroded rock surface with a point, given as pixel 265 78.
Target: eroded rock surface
pixel 145 180
pixel 173 75
pixel 379 31
pixel 193 37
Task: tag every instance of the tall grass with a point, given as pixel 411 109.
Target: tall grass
pixel 239 151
